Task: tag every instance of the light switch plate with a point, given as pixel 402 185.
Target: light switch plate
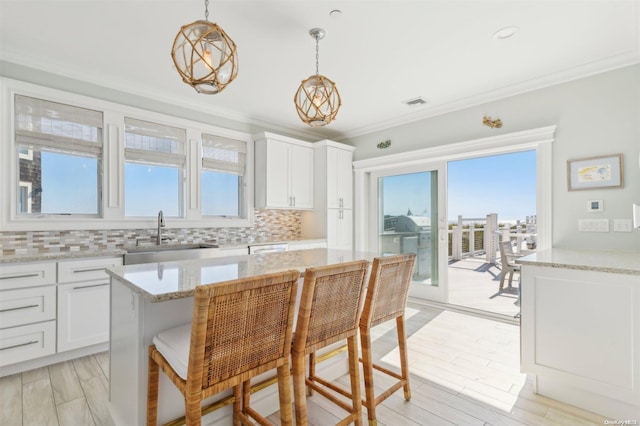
pixel 593 225
pixel 621 225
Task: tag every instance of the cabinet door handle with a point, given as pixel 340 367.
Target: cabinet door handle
pixel 19 345
pixel 290 201
pixel 18 308
pixel 90 286
pixel 78 271
pixel 294 201
pixel 20 276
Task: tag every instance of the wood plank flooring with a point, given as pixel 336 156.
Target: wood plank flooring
pixel 464 371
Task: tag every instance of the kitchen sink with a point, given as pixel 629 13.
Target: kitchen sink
pixel 168 252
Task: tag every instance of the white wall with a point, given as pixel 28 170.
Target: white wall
pixel 598 115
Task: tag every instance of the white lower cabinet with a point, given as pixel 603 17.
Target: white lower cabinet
pixel 27 342
pixel 579 332
pixel 53 311
pixel 83 302
pixel 83 315
pixel 27 311
pixel 340 229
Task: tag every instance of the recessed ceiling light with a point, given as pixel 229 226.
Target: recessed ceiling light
pixel 335 13
pixel 505 33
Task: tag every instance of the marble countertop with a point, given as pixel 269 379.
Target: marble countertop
pixel 162 281
pixel 614 261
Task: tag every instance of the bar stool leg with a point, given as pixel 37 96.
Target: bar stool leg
pixel 237 404
pixel 354 375
pixel 299 392
pixel 284 394
pixel 404 360
pixel 152 391
pixel 367 371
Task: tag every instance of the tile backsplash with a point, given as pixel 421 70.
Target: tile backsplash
pixel 269 225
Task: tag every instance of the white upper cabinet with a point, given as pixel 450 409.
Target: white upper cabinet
pixel 339 178
pixel 284 173
pixel 332 216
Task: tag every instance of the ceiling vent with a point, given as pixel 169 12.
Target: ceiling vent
pixel 415 101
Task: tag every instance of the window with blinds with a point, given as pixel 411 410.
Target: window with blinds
pixel 59 151
pixel 223 168
pixel 154 163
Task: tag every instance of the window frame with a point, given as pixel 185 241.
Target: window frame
pixel 111 193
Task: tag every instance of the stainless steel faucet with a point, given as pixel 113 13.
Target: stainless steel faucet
pixel 160 226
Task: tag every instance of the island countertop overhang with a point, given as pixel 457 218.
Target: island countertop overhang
pixel 613 261
pixel 161 281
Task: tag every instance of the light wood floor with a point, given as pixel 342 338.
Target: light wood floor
pixel 464 371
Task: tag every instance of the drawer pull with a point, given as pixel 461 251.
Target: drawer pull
pixel 78 271
pixel 18 308
pixel 19 345
pixel 89 286
pixel 20 276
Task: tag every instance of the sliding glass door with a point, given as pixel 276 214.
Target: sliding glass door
pixel 407 218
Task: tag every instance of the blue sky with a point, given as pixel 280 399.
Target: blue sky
pixel 504 184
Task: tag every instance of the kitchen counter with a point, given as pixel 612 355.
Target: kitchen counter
pixel 162 281
pixel 619 262
pixel 148 298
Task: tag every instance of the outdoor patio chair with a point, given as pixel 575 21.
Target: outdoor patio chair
pixel 506 263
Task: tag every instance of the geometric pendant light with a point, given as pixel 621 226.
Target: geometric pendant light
pixel 317 99
pixel 205 56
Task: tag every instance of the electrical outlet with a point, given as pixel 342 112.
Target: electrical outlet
pixel 621 225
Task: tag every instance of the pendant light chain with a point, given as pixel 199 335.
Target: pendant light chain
pixel 206 10
pixel 317 54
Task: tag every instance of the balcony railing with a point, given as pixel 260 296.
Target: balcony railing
pixel 479 237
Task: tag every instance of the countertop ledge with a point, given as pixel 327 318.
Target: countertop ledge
pixel 613 261
pixel 115 252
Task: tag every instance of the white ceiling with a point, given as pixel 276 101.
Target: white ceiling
pixel 379 53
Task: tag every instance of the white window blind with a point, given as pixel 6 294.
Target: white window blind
pixel 153 142
pixel 223 154
pixel 41 123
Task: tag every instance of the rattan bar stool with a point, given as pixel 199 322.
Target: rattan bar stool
pixel 386 300
pixel 240 328
pixel 329 311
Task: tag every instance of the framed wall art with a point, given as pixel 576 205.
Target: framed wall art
pixel 595 173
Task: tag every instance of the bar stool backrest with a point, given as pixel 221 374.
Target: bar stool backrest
pixel 388 288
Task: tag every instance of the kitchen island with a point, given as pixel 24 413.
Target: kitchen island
pixel 148 298
pixel 580 328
